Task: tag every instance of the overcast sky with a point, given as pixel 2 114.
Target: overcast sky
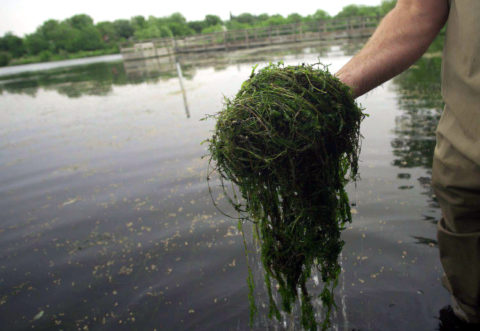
pixel 24 16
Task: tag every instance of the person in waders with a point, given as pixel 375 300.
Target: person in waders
pixel 401 38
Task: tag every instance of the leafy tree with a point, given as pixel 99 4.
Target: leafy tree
pixel 262 17
pixel 123 29
pixel 275 20
pixel 148 33
pixel 153 29
pixel 358 10
pixel 5 58
pixel 88 39
pixel 138 22
pixel 294 18
pixel 74 34
pixel 246 18
pixel 45 55
pixel 46 37
pixel 176 18
pixel 213 28
pixel 213 20
pixel 235 25
pixel 80 21
pixel 180 30
pixel 64 37
pixel 107 31
pixel 197 26
pixel 12 44
pixel 49 30
pixel 386 6
pixel 177 24
pixel 36 43
pixel 173 25
pixel 321 15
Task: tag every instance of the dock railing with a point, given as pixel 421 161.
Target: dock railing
pixel 341 28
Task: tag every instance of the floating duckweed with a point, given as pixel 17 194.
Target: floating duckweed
pixel 289 141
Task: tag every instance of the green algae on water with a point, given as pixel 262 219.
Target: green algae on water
pixel 289 141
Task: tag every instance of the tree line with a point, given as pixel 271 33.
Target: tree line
pixel 79 36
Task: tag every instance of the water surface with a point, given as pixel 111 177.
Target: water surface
pixel 106 221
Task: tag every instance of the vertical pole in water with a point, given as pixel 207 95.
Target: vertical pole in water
pixel 180 79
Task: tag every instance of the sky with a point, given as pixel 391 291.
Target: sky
pixel 24 16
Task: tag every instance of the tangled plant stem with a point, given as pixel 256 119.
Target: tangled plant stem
pixel 289 140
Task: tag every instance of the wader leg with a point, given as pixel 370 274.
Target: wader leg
pixel 456 181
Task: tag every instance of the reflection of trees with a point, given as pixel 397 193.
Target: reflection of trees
pixel 99 78
pixel 352 46
pixel 420 99
pixel 92 79
pixel 221 60
pixel 75 90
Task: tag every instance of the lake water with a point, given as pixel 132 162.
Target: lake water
pixel 106 222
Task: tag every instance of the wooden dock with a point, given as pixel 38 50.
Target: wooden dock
pixel 358 27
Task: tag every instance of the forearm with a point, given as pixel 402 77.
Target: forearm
pixel 400 39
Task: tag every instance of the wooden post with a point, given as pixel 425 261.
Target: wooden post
pixel 349 29
pixel 155 49
pixel 225 43
pixel 174 43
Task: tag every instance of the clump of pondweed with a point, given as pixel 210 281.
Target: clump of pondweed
pixel 289 141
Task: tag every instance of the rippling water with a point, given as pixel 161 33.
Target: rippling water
pixel 106 221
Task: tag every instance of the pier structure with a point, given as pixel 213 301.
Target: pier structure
pixel 342 28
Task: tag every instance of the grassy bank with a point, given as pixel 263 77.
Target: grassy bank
pixel 48 57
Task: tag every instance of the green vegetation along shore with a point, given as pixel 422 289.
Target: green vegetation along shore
pixel 78 36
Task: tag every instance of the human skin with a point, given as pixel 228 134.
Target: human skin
pixel 401 38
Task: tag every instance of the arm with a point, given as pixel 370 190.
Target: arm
pixel 401 38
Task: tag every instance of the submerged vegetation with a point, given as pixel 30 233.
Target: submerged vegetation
pixel 289 141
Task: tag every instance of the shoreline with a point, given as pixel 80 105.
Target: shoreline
pixel 22 68
pixel 58 57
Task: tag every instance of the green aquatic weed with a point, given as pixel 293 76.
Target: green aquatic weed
pixel 289 141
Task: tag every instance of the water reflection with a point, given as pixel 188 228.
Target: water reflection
pixel 74 82
pixel 106 221
pixel 421 102
pixel 184 94
pixel 419 98
pixel 426 241
pixel 99 78
pixel 353 46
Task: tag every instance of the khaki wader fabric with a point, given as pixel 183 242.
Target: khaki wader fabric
pixel 456 164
